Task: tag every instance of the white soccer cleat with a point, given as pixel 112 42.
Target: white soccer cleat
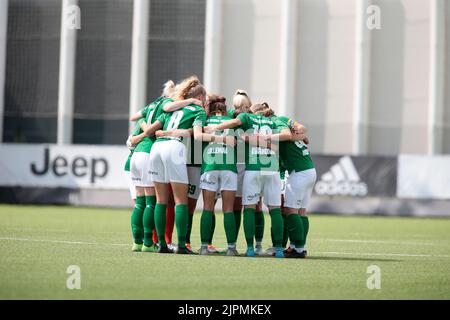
pixel 270 251
pixel 259 251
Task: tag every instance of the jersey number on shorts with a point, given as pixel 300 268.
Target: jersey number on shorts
pixel 175 119
pixel 191 189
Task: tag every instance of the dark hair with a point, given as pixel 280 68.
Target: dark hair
pixel 213 98
pixel 217 107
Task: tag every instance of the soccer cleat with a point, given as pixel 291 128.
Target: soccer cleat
pixel 270 251
pixel 288 250
pixel 259 250
pixel 212 249
pixel 279 253
pixel 164 249
pixel 250 252
pixel 232 252
pixel 152 248
pixel 136 247
pixel 188 247
pixel 183 251
pixel 172 247
pixel 203 251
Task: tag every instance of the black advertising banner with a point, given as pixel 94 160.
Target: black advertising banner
pixel 357 176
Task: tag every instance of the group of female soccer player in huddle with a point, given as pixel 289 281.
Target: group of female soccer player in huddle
pixel 187 142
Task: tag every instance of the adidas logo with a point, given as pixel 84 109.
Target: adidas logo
pixel 342 179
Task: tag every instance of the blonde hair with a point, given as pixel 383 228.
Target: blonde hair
pixel 168 89
pixel 190 88
pixel 241 102
pixel 262 109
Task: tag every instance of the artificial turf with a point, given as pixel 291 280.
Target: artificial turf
pixel 39 243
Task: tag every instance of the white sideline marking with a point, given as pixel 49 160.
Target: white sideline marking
pixel 62 241
pixel 380 242
pixel 388 254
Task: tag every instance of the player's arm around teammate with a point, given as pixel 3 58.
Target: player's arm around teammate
pixel 168 162
pixel 299 186
pixel 219 174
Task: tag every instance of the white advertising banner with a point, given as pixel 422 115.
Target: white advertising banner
pixel 83 166
pixel 423 177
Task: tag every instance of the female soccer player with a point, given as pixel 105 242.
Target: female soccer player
pixel 143 214
pixel 262 177
pixel 194 163
pixel 295 157
pixel 219 174
pixel 168 160
pixel 137 228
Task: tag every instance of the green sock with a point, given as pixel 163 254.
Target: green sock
pixel 285 232
pixel 189 228
pixel 181 221
pixel 305 222
pixel 205 226
pixel 249 226
pixel 230 227
pixel 259 226
pixel 160 222
pixel 149 220
pixel 137 228
pixel 295 229
pixel 237 219
pixel 277 226
pixel 213 227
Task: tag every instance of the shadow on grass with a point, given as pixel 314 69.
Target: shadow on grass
pixel 330 258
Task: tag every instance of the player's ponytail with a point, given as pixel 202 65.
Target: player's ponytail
pixel 241 102
pixel 186 88
pixel 262 109
pixel 168 89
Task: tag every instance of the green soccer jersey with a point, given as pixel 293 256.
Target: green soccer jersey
pixel 137 130
pixel 231 112
pixel 216 155
pixel 151 113
pixel 294 155
pixel 185 118
pixel 259 158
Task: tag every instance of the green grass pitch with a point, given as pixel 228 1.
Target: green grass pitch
pixel 38 243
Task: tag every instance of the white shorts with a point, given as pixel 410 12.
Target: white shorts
pixel 219 180
pixel 131 186
pixel 240 178
pixel 168 162
pixel 259 184
pixel 140 169
pixel 194 182
pixel 299 188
